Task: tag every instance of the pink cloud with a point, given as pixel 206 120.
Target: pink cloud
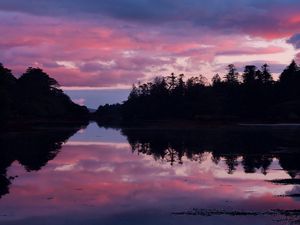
pixel 298 58
pixel 110 53
pixel 79 101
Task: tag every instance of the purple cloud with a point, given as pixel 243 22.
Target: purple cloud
pixel 295 40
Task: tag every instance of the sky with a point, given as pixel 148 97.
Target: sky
pixel 113 43
pixel 93 98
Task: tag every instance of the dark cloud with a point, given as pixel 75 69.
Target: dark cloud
pixel 295 40
pixel 252 51
pixel 252 15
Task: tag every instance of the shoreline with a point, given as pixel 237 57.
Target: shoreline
pixel 33 124
pixel 193 124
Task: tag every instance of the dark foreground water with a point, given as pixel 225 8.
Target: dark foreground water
pixel 241 175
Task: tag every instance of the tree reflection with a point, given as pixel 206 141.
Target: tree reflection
pixel 252 148
pixel 32 149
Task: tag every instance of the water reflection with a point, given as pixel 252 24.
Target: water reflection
pixel 32 149
pixel 96 179
pixel 256 147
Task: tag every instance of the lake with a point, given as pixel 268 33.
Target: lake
pixel 95 175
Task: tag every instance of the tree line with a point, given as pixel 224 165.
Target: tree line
pixel 35 95
pixel 251 96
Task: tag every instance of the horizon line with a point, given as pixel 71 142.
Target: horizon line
pixel 88 88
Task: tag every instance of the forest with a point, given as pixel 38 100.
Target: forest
pixel 253 96
pixel 35 96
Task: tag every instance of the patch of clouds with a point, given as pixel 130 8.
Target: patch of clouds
pixel 295 40
pixel 79 101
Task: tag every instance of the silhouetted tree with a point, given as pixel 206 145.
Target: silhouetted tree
pixel 256 98
pixel 249 75
pixel 171 81
pixel 36 80
pixel 180 87
pixel 133 93
pixel 159 87
pixel 35 95
pixel 266 76
pixel 289 75
pixel 216 80
pixel 7 88
pixel 232 77
pixel 289 83
pixel 7 80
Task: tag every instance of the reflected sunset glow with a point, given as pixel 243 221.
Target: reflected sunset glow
pixel 101 181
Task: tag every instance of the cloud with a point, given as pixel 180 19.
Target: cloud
pixel 79 101
pixel 295 40
pixel 298 58
pixel 105 43
pixel 252 50
pixel 257 17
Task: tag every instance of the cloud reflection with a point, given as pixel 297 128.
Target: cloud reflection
pixel 100 182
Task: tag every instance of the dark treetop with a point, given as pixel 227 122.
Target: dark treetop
pixel 252 96
pixel 35 96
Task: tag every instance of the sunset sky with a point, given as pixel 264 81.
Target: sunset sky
pixel 114 43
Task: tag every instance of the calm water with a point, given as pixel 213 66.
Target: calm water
pixel 244 175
